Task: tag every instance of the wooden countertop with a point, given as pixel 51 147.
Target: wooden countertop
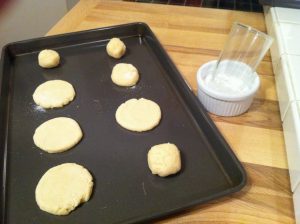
pixel 193 36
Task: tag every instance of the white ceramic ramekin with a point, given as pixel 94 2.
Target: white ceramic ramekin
pixel 220 103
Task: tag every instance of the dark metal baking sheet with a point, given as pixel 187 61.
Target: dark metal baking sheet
pixel 125 191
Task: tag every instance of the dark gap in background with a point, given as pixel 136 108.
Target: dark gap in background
pixel 241 5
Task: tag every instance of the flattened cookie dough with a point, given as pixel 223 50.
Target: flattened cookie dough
pixel 138 115
pixel 164 159
pixel 48 58
pixel 115 48
pixel 57 135
pixel 54 93
pixel 62 188
pixel 124 74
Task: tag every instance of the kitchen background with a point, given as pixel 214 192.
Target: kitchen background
pixel 40 16
pixel 23 19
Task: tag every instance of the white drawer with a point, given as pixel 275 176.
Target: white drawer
pixel 291 127
pixel 290 35
pixel 287 15
pixel 296 199
pixel 276 49
pixel 293 62
pixel 283 86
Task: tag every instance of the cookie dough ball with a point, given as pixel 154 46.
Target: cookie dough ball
pixel 48 58
pixel 115 48
pixel 62 188
pixel 55 93
pixel 57 135
pixel 124 74
pixel 164 159
pixel 138 115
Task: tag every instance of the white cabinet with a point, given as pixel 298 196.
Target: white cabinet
pixel 283 86
pixel 291 130
pixel 283 25
pixel 296 198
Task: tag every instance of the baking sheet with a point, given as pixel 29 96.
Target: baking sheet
pixel 125 191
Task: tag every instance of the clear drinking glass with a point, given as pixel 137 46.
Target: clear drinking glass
pixel 242 53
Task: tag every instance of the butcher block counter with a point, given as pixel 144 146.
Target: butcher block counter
pixel 193 36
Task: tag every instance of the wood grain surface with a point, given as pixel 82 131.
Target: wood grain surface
pixel 193 36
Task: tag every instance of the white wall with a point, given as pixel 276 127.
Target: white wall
pixel 24 19
pixel 71 3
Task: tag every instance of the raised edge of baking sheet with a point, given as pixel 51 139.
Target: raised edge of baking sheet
pixel 125 191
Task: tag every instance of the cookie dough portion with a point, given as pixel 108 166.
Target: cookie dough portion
pixel 62 188
pixel 115 48
pixel 57 135
pixel 138 115
pixel 48 58
pixel 54 93
pixel 125 74
pixel 164 159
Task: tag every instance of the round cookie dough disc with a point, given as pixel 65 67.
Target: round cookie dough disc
pixel 124 74
pixel 48 58
pixel 54 93
pixel 115 48
pixel 164 159
pixel 62 188
pixel 57 135
pixel 138 115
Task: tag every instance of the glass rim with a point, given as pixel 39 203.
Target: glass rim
pixel 251 29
